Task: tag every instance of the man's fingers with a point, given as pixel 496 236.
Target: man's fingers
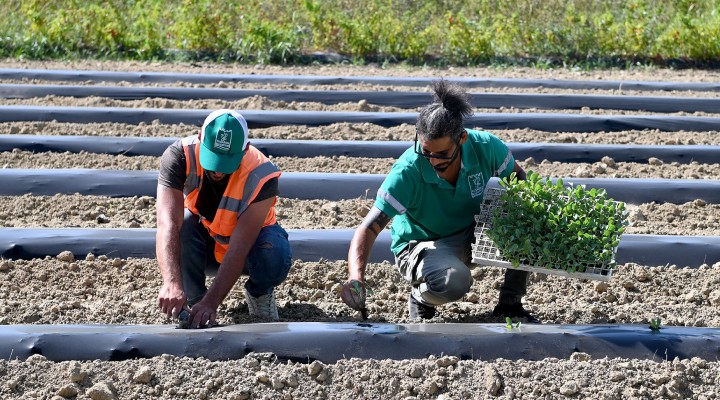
pixel 171 308
pixel 165 306
pixel 202 319
pixel 196 318
pixel 171 302
pixel 353 294
pixel 195 321
pixel 213 316
pixel 347 298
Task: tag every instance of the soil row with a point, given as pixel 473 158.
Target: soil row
pixel 363 131
pixel 101 289
pixel 263 103
pixel 606 168
pixel 360 86
pixel 92 289
pixel 63 211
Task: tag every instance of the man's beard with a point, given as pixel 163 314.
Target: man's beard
pixel 444 166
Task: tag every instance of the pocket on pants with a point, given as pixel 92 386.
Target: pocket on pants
pixel 408 259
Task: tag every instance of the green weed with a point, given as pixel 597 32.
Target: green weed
pixel 655 324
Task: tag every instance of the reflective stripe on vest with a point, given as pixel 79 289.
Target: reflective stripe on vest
pixel 193 178
pixel 252 182
pixel 252 185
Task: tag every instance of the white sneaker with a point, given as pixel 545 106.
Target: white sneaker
pixel 262 306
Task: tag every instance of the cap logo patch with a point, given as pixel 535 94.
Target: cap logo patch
pixel 223 139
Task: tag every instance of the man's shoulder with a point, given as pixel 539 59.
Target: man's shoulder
pixel 485 142
pixel 408 159
pixel 173 166
pixel 481 136
pixel 406 164
pixel 176 149
pixel 254 158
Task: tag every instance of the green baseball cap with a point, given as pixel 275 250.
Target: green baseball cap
pixel 223 138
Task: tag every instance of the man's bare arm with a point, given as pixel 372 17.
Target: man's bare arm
pixel 519 171
pixel 362 242
pixel 170 208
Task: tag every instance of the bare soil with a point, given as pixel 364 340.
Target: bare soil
pixel 95 289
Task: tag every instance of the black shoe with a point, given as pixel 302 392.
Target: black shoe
pixel 417 310
pixel 514 310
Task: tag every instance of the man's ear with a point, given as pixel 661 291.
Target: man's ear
pixel 464 137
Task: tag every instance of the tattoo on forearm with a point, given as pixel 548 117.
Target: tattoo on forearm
pixel 377 223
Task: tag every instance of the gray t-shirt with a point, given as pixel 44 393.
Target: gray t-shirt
pixel 172 174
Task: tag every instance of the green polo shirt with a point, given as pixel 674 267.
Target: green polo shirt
pixel 426 207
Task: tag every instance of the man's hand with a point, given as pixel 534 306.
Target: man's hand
pixel 354 293
pixel 171 299
pixel 355 290
pixel 202 315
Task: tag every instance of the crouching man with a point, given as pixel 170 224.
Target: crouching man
pixel 432 194
pixel 216 195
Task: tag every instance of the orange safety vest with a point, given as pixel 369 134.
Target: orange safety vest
pixel 243 186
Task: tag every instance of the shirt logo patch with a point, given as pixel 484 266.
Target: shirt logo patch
pixel 477 184
pixel 223 139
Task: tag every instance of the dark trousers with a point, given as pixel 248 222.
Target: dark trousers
pixel 439 270
pixel 267 264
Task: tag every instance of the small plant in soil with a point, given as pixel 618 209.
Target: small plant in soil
pixel 549 225
pixel 655 324
pixel 509 323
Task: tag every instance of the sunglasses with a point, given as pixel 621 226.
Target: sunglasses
pixel 429 155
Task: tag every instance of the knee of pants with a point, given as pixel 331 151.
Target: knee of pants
pixel 450 284
pixel 271 263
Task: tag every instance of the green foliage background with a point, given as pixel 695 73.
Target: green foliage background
pixel 471 32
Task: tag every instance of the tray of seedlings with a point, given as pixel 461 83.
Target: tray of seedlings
pixel 541 225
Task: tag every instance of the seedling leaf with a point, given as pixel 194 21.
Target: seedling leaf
pixel 655 324
pixel 548 225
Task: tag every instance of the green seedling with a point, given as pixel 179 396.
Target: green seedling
pixel 655 324
pixel 549 225
pixel 509 323
pixel 358 291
